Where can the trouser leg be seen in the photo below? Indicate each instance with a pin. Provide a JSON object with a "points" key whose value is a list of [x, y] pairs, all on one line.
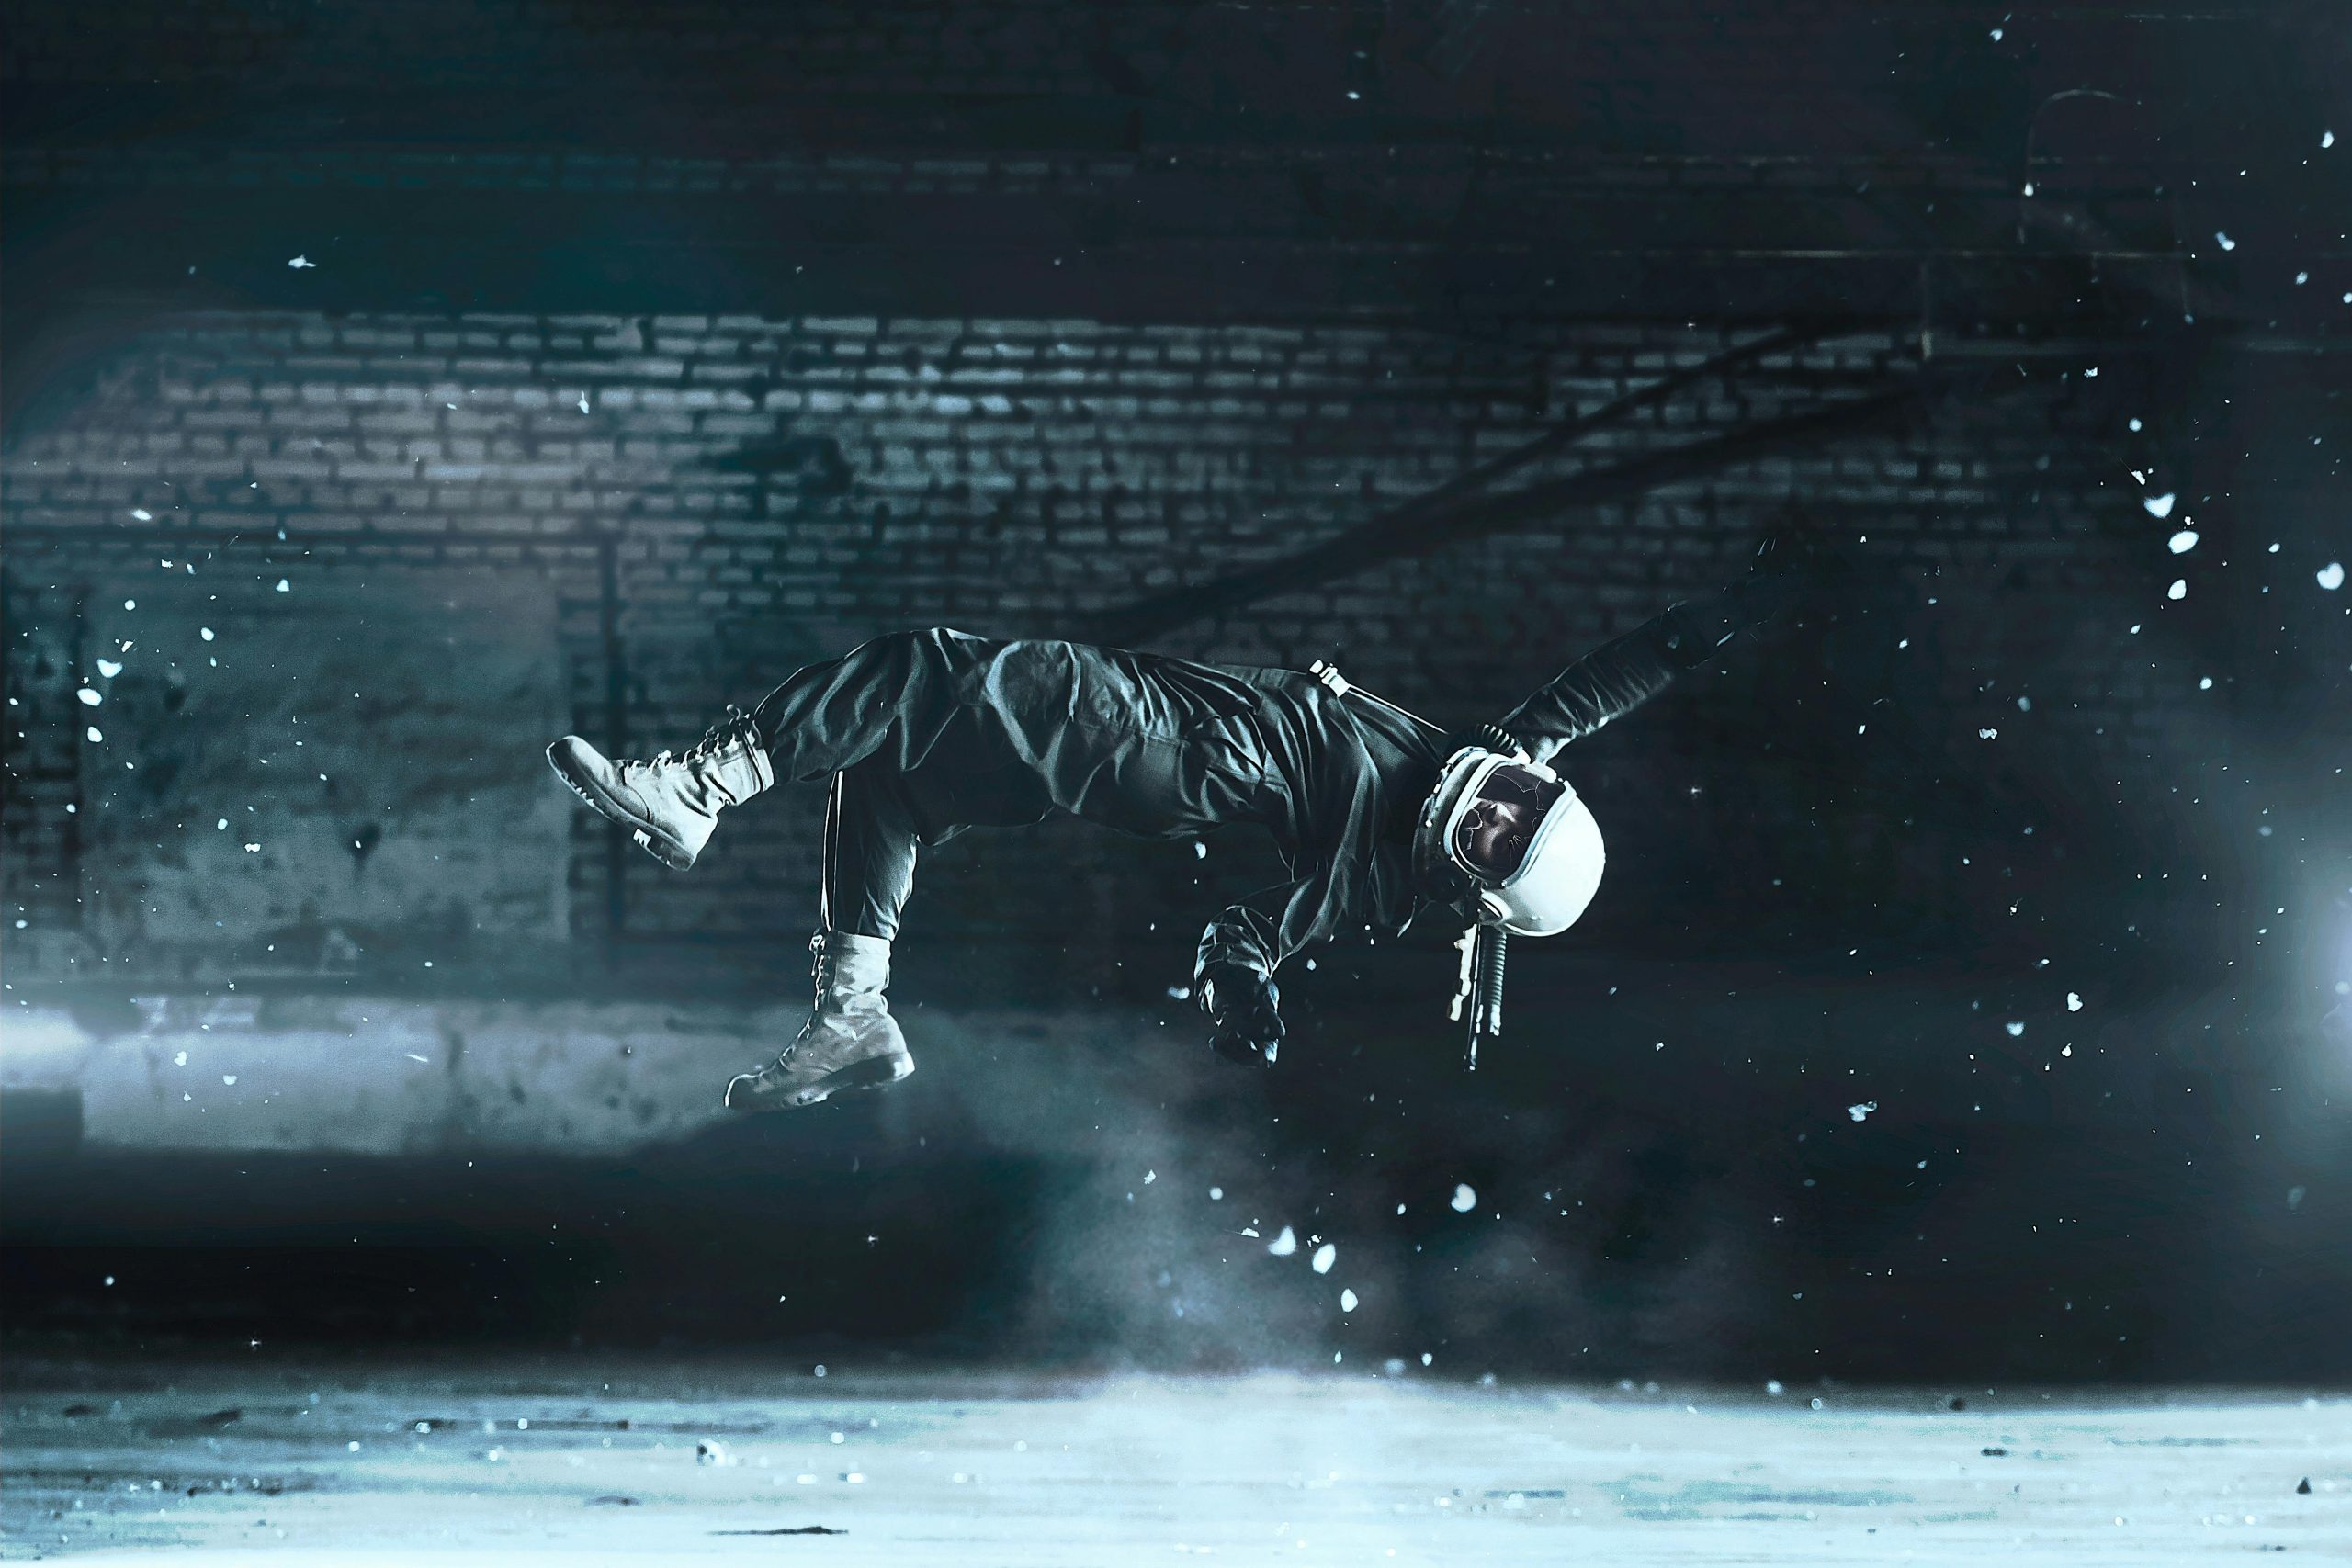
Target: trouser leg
{"points": [[870, 838], [891, 696]]}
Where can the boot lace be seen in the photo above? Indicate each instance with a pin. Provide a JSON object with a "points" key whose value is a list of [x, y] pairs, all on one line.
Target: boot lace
{"points": [[734, 727], [809, 1027]]}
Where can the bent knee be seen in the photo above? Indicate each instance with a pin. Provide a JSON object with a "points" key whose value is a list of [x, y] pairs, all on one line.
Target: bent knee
{"points": [[920, 645]]}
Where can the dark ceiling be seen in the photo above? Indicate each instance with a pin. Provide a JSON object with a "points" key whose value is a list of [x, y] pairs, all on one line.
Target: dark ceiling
{"points": [[1422, 159]]}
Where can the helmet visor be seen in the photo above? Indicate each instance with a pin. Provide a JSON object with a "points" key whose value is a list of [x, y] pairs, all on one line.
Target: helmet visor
{"points": [[1494, 832]]}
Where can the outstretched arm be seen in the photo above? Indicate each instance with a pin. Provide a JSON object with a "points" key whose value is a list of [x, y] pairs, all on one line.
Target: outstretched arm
{"points": [[1622, 675]]}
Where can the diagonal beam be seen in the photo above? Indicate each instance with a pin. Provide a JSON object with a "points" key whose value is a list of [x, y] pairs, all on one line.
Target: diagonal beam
{"points": [[1482, 475], [1415, 529]]}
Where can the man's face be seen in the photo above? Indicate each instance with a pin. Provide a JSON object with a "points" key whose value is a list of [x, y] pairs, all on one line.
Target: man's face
{"points": [[1494, 834]]}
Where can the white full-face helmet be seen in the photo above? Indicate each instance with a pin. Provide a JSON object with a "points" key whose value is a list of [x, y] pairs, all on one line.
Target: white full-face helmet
{"points": [[1518, 834]]}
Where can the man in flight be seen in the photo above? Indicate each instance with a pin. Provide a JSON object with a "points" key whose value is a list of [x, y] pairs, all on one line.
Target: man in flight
{"points": [[1378, 814]]}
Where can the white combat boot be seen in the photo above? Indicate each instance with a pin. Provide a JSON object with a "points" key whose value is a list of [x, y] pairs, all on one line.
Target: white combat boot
{"points": [[671, 804], [850, 1040]]}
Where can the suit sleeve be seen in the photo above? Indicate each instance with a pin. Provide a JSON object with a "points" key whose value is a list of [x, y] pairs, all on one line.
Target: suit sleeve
{"points": [[1622, 675], [1247, 935]]}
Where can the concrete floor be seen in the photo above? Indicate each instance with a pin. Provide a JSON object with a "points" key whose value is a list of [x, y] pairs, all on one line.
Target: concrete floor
{"points": [[595, 1460]]}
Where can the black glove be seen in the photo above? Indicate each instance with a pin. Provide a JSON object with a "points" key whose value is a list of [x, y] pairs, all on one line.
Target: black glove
{"points": [[1246, 1008], [1793, 550], [1803, 553], [1797, 566]]}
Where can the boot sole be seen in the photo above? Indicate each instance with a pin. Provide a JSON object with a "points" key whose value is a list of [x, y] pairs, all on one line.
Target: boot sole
{"points": [[880, 1072], [647, 837], [875, 1074]]}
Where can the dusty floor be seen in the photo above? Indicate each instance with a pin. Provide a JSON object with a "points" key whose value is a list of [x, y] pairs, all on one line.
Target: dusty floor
{"points": [[587, 1458]]}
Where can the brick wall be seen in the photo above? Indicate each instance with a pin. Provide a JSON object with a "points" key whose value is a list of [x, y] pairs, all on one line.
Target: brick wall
{"points": [[723, 498]]}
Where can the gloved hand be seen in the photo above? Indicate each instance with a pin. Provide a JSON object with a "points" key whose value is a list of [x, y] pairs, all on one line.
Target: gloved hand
{"points": [[1246, 1008], [1794, 548], [1798, 565]]}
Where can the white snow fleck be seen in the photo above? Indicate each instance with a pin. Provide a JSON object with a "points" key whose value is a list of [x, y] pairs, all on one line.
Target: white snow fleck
{"points": [[229, 1079], [2330, 576], [179, 1059], [2179, 589], [1347, 1301], [1149, 1177], [1284, 1244], [95, 734], [2025, 705], [1179, 993], [221, 824], [2159, 506], [1989, 734], [1217, 1194], [1997, 37], [2073, 1001], [2205, 684], [1325, 1256], [284, 586], [142, 514], [2224, 241], [1862, 1112], [1200, 851], [2327, 139], [2180, 543], [300, 261], [2014, 1028], [414, 1058], [2134, 424], [583, 403], [131, 603], [1772, 1386], [253, 849], [1465, 1198], [208, 633], [109, 668], [90, 699]]}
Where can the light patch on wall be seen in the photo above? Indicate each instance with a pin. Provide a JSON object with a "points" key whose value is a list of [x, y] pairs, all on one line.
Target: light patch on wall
{"points": [[379, 736]]}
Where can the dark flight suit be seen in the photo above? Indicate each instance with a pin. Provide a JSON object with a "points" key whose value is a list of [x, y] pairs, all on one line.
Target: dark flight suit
{"points": [[928, 733]]}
